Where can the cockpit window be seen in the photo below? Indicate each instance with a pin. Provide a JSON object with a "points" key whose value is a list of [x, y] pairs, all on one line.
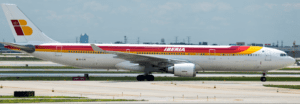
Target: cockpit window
{"points": [[282, 54]]}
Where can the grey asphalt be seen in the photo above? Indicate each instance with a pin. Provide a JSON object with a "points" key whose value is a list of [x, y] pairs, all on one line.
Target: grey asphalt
{"points": [[161, 91]]}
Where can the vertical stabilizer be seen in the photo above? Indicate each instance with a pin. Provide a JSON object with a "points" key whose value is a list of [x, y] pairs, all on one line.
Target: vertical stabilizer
{"points": [[22, 28]]}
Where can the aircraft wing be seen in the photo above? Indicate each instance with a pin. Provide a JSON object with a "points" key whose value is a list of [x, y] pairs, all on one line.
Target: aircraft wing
{"points": [[141, 59]]}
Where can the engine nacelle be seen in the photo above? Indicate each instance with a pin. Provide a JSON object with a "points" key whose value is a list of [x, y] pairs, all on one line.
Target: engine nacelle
{"points": [[183, 70]]}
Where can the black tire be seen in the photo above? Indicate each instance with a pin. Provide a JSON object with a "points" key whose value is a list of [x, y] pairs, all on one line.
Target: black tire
{"points": [[150, 78], [140, 78], [263, 79]]}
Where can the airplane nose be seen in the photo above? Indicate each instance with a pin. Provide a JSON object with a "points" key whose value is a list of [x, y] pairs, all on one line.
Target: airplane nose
{"points": [[292, 61]]}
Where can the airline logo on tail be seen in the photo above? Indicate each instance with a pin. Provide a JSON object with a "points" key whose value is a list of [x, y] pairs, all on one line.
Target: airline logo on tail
{"points": [[21, 28]]}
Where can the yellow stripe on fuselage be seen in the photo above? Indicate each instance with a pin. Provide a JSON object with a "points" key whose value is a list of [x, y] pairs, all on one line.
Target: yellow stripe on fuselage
{"points": [[251, 50]]}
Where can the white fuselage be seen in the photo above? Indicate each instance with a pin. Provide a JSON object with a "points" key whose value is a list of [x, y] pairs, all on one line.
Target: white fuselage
{"points": [[262, 60]]}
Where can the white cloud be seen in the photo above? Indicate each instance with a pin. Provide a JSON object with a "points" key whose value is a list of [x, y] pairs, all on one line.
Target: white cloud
{"points": [[290, 6], [53, 15], [123, 9], [169, 6], [212, 27], [222, 21], [68, 9], [252, 8], [218, 19], [160, 22], [270, 6], [143, 5], [137, 0], [87, 16], [95, 6], [224, 6], [225, 23], [145, 29], [297, 6], [36, 10], [207, 6]]}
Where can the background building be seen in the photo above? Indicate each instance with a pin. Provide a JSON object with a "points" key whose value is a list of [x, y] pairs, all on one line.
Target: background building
{"points": [[84, 38], [162, 41], [240, 43]]}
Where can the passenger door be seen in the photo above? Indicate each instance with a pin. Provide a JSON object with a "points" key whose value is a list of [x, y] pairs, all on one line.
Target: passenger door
{"points": [[212, 53], [268, 55], [58, 51]]}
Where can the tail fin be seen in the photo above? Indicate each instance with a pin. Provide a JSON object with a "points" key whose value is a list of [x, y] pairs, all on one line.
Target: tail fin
{"points": [[23, 29]]}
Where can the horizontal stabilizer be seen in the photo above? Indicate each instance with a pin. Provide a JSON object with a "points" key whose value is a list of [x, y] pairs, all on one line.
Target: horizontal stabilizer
{"points": [[23, 48]]}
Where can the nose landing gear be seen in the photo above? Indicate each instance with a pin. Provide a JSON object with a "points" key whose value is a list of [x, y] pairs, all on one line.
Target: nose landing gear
{"points": [[263, 78]]}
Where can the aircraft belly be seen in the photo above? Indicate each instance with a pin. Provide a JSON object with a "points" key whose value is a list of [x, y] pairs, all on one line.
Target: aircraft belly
{"points": [[223, 63], [100, 61]]}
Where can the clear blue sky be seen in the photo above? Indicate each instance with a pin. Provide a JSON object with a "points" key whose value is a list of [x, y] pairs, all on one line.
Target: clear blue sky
{"points": [[213, 21]]}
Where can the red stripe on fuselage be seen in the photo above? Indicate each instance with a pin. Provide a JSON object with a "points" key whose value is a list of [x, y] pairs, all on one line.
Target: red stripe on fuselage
{"points": [[232, 49]]}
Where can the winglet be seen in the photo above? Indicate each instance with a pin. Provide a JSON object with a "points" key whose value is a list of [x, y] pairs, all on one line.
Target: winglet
{"points": [[96, 48]]}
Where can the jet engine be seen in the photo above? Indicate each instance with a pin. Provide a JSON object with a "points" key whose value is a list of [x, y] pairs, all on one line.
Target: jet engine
{"points": [[183, 70]]}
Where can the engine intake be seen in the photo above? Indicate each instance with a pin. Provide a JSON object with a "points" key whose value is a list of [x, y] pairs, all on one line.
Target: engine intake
{"points": [[183, 70]]}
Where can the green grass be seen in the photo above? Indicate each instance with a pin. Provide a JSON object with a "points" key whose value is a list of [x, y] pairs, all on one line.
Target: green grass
{"points": [[59, 100], [41, 97], [156, 78], [37, 67], [290, 69], [19, 59], [284, 86]]}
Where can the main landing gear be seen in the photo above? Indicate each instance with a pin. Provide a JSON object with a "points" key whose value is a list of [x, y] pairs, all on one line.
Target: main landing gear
{"points": [[143, 77], [263, 78]]}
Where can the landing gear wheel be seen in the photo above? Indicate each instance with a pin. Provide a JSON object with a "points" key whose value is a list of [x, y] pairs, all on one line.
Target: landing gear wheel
{"points": [[140, 78], [263, 79], [149, 77]]}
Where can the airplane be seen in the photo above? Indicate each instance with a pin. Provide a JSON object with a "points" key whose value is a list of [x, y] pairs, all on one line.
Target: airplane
{"points": [[180, 60]]}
